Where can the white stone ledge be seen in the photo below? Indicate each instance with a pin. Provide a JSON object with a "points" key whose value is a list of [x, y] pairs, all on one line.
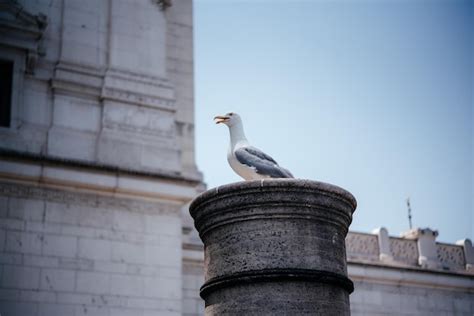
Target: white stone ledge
{"points": [[99, 182], [410, 277]]}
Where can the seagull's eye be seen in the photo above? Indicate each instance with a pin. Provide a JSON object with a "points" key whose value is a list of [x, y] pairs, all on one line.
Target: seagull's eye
{"points": [[231, 114]]}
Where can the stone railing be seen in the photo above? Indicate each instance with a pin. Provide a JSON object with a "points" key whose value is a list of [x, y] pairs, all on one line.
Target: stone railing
{"points": [[362, 247], [416, 248]]}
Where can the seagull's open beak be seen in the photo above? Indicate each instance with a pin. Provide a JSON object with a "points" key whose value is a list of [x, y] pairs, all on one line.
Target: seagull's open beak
{"points": [[221, 119]]}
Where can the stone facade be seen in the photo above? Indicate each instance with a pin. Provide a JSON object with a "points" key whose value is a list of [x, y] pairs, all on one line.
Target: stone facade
{"points": [[97, 163], [97, 167]]}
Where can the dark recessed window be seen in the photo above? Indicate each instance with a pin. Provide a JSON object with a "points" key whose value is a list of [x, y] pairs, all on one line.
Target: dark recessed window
{"points": [[6, 78]]}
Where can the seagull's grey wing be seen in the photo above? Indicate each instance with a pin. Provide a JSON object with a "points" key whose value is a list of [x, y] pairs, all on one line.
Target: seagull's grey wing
{"points": [[261, 162]]}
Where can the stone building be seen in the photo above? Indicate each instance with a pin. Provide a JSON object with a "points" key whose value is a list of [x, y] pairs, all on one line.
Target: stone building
{"points": [[97, 155], [97, 167]]}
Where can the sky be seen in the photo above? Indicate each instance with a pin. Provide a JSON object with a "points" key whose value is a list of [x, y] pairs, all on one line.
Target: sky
{"points": [[373, 96]]}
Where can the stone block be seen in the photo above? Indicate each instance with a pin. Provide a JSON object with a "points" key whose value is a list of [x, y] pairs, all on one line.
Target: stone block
{"points": [[75, 298], [70, 143], [11, 258], [9, 294], [462, 305], [36, 105], [143, 22], [2, 239], [3, 202], [59, 245], [37, 296], [163, 225], [79, 215], [40, 261], [18, 308], [75, 264], [130, 285], [21, 242], [18, 277], [110, 267], [89, 310], [129, 221], [57, 280], [161, 312], [126, 312], [164, 255], [140, 120], [160, 287], [12, 224], [83, 18], [128, 253], [43, 227], [92, 282], [169, 158], [96, 249], [26, 209], [76, 113], [82, 53], [45, 309], [119, 151]]}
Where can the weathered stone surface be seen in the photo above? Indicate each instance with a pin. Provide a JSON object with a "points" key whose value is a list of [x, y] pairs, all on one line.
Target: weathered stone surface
{"points": [[275, 245]]}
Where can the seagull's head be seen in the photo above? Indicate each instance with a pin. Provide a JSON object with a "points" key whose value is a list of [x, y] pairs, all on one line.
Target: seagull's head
{"points": [[229, 119]]}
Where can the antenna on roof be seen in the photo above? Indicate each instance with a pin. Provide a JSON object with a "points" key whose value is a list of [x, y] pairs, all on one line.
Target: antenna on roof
{"points": [[409, 212]]}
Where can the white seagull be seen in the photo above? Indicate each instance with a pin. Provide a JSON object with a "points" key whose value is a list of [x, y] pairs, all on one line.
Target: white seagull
{"points": [[248, 162]]}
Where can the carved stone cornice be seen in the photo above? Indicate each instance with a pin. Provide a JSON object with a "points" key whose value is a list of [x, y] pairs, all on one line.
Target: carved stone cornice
{"points": [[115, 85], [22, 29]]}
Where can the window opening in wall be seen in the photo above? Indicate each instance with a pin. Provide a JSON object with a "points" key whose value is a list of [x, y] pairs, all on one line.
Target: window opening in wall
{"points": [[6, 78]]}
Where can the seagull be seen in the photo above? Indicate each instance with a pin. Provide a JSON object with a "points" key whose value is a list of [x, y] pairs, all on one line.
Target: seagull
{"points": [[247, 161]]}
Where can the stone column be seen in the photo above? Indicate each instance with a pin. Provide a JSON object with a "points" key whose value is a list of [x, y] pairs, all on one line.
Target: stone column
{"points": [[384, 245], [468, 253], [275, 247]]}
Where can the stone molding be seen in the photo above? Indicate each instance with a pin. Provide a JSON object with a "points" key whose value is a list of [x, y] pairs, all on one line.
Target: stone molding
{"points": [[114, 184], [410, 276], [38, 159], [84, 199], [115, 85], [23, 30]]}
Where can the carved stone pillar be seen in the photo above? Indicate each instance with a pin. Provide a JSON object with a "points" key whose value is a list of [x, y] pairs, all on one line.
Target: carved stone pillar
{"points": [[384, 244], [468, 253], [275, 247]]}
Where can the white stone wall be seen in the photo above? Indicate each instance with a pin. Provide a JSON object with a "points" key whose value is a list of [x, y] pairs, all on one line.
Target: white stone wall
{"points": [[103, 140], [113, 85], [388, 291], [382, 299], [82, 254]]}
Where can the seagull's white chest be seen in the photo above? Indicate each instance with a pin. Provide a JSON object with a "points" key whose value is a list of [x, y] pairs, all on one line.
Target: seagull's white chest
{"points": [[246, 172]]}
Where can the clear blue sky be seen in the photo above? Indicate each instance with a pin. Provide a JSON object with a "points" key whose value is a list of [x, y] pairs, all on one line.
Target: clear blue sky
{"points": [[373, 96]]}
